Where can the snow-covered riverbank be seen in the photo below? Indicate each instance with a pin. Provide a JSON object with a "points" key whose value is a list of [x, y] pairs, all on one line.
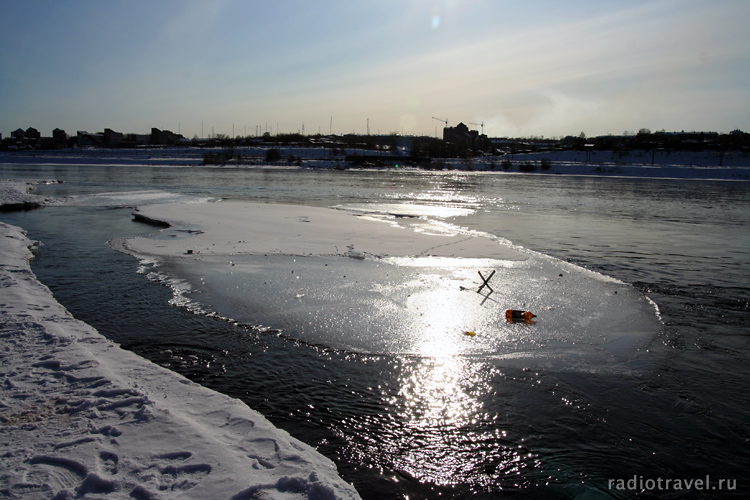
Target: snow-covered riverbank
{"points": [[713, 165], [79, 416]]}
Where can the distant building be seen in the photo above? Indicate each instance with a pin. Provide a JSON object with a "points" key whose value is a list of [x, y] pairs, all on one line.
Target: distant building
{"points": [[461, 136], [32, 133], [164, 137], [18, 134], [59, 136], [111, 138], [138, 139], [86, 139]]}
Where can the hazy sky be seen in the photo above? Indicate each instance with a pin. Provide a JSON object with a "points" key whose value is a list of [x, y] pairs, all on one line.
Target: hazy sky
{"points": [[520, 67]]}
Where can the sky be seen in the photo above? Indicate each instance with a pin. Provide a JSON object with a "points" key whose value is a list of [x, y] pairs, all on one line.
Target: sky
{"points": [[506, 68]]}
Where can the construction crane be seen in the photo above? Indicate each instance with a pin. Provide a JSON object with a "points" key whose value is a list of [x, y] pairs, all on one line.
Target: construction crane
{"points": [[478, 124], [441, 120]]}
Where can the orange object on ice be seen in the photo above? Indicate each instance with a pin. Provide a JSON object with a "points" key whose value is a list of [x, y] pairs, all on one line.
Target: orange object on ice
{"points": [[512, 314]]}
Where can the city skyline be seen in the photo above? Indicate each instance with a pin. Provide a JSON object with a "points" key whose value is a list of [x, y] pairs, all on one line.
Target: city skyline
{"points": [[243, 68]]}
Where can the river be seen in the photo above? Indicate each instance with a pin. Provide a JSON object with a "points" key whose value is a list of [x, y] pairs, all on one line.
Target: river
{"points": [[406, 426]]}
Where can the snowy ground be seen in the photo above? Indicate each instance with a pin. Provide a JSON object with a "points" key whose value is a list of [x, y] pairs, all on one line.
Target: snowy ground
{"points": [[82, 418]]}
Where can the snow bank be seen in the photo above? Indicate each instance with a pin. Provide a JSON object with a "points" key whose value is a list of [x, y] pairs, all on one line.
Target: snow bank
{"points": [[703, 165], [113, 157], [82, 418], [639, 157]]}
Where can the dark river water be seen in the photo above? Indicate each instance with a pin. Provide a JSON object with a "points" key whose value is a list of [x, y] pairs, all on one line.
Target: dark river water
{"points": [[672, 421]]}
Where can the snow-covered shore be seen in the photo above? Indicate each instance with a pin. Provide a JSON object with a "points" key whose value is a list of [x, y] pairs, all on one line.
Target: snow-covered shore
{"points": [[82, 418], [706, 165], [664, 164]]}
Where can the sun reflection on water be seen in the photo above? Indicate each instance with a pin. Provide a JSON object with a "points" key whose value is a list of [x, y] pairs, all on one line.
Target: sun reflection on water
{"points": [[449, 435], [439, 424]]}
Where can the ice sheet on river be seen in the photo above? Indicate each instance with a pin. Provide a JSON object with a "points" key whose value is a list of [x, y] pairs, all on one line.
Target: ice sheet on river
{"points": [[392, 285], [129, 198]]}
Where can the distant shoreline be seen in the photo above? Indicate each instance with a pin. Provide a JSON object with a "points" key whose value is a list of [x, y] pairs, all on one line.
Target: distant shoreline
{"points": [[704, 165]]}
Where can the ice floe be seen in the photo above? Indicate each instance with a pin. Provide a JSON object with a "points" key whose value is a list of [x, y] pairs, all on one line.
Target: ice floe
{"points": [[350, 281]]}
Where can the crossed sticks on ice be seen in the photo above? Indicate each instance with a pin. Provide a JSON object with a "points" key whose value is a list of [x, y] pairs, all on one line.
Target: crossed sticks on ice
{"points": [[486, 281]]}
